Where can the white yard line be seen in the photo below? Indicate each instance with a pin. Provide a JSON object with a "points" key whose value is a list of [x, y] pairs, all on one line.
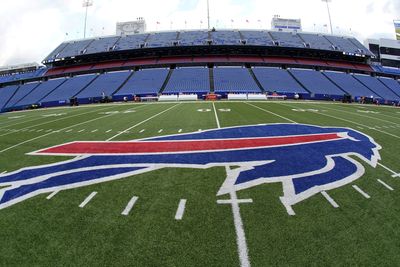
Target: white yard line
{"points": [[180, 130], [68, 131], [87, 200], [270, 112], [385, 185], [161, 130], [216, 116], [141, 131], [44, 135], [239, 201], [361, 192], [52, 195], [180, 210], [361, 115], [394, 174], [63, 118], [3, 172], [109, 131], [94, 131], [129, 207], [330, 199], [81, 131], [140, 123]]}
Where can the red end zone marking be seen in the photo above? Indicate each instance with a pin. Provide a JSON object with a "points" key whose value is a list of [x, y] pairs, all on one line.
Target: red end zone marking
{"points": [[140, 147]]}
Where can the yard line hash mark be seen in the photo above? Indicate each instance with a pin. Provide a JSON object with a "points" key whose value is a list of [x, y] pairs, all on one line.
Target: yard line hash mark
{"points": [[52, 195], [330, 199], [129, 206], [359, 190], [181, 209], [385, 185], [87, 200]]}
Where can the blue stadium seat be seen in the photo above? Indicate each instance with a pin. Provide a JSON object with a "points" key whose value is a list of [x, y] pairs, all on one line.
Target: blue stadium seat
{"points": [[392, 84], [277, 80], [68, 89], [41, 91], [161, 39], [225, 37], [130, 41], [348, 83], [316, 41], [189, 80], [74, 48], [378, 87], [143, 82], [189, 38], [287, 39], [102, 45], [6, 93], [343, 44], [234, 80], [257, 38], [21, 93], [316, 82], [107, 83]]}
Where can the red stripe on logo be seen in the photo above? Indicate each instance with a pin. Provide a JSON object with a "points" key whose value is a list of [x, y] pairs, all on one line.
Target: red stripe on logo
{"points": [[144, 147]]}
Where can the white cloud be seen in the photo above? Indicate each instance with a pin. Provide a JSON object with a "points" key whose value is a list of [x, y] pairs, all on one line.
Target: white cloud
{"points": [[32, 29]]}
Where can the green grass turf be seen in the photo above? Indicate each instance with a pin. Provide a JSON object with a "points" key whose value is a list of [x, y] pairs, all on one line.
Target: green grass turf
{"points": [[55, 232]]}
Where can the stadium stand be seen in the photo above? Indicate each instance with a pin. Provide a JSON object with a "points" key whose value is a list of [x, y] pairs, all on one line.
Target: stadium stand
{"points": [[107, 83], [392, 84], [316, 41], [225, 37], [70, 49], [144, 82], [287, 39], [387, 70], [70, 88], [234, 80], [193, 38], [344, 44], [189, 80], [132, 41], [161, 39], [74, 48], [349, 84], [6, 93], [40, 92], [257, 38], [316, 82], [101, 45], [374, 84], [278, 80], [22, 76], [21, 93]]}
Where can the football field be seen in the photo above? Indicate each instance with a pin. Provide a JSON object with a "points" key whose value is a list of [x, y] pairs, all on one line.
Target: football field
{"points": [[172, 215]]}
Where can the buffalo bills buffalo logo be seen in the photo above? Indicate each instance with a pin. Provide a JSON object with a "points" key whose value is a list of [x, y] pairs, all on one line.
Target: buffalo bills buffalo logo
{"points": [[305, 159]]}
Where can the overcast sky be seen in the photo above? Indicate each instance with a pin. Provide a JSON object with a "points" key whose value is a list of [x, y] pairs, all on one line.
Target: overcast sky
{"points": [[31, 29]]}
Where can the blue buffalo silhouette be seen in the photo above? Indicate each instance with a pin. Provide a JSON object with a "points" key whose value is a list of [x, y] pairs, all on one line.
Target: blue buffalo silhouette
{"points": [[304, 169]]}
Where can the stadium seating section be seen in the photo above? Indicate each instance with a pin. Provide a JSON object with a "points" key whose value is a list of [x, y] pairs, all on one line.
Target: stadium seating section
{"points": [[189, 80], [234, 80], [197, 38]]}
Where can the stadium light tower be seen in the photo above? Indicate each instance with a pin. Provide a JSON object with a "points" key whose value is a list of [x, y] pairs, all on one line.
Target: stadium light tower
{"points": [[86, 4], [329, 13]]}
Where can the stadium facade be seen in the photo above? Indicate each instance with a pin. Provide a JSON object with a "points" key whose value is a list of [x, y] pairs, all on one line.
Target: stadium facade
{"points": [[198, 62]]}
